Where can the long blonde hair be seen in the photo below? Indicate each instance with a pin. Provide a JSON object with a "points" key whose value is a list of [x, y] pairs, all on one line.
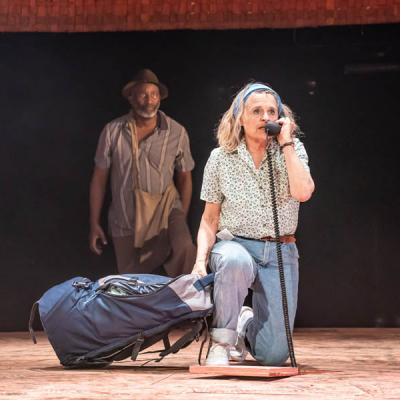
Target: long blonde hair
{"points": [[292, 116], [230, 131]]}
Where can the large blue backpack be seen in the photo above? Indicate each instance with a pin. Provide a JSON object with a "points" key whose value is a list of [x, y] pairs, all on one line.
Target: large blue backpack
{"points": [[91, 324]]}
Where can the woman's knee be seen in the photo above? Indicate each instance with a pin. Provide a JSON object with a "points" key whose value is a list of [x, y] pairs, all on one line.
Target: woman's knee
{"points": [[233, 257], [271, 357], [271, 350]]}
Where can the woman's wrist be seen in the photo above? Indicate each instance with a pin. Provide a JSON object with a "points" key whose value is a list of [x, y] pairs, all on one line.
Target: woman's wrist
{"points": [[286, 144]]}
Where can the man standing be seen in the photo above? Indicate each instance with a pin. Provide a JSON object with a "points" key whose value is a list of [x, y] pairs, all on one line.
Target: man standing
{"points": [[148, 157]]}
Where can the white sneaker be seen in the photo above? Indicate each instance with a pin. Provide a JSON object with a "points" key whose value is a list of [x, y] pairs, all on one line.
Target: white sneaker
{"points": [[239, 352], [218, 354]]}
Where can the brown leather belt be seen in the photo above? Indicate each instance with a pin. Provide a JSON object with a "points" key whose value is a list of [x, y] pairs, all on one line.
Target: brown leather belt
{"points": [[282, 239]]}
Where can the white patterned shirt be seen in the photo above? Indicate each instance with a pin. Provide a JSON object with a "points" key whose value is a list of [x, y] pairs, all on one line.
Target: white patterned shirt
{"points": [[232, 180]]}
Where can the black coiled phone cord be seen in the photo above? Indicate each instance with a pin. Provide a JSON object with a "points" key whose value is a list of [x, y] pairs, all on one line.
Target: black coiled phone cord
{"points": [[280, 261]]}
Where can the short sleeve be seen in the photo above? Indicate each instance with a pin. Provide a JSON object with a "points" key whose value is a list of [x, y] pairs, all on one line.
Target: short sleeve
{"points": [[301, 153], [103, 152], [184, 161], [211, 189]]}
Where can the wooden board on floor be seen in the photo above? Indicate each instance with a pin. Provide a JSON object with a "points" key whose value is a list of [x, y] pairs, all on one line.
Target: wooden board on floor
{"points": [[257, 371]]}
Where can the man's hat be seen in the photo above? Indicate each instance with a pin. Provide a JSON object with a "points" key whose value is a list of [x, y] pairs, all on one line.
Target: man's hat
{"points": [[145, 76]]}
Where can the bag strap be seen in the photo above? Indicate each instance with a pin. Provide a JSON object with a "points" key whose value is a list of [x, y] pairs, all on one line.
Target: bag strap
{"points": [[203, 342], [32, 315], [136, 347], [167, 343], [202, 283], [135, 154], [184, 340]]}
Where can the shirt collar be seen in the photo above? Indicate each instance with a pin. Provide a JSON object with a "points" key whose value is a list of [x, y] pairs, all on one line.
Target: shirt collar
{"points": [[162, 124], [161, 127], [245, 155]]}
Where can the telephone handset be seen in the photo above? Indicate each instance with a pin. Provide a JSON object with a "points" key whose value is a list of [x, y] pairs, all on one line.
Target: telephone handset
{"points": [[272, 128]]}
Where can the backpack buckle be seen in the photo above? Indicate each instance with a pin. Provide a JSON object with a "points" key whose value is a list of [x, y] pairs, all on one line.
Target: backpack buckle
{"points": [[81, 284]]}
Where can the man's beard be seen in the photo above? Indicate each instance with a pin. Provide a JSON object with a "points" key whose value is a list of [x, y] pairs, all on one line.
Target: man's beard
{"points": [[147, 112]]}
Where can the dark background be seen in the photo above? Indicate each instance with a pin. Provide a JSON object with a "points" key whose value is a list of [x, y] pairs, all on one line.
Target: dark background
{"points": [[59, 90]]}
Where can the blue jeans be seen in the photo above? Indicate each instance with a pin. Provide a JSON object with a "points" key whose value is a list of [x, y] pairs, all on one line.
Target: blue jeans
{"points": [[240, 264]]}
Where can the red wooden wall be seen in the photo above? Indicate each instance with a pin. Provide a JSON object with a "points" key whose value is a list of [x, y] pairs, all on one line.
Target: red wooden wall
{"points": [[129, 15]]}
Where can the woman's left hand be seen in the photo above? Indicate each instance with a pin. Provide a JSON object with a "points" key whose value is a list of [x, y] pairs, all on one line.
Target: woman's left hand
{"points": [[200, 268]]}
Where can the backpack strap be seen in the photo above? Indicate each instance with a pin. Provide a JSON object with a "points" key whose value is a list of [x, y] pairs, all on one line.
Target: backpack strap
{"points": [[166, 342], [136, 347], [184, 340], [204, 341], [32, 315], [202, 283]]}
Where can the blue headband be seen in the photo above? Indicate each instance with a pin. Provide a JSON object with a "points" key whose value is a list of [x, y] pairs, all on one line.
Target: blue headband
{"points": [[253, 88]]}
